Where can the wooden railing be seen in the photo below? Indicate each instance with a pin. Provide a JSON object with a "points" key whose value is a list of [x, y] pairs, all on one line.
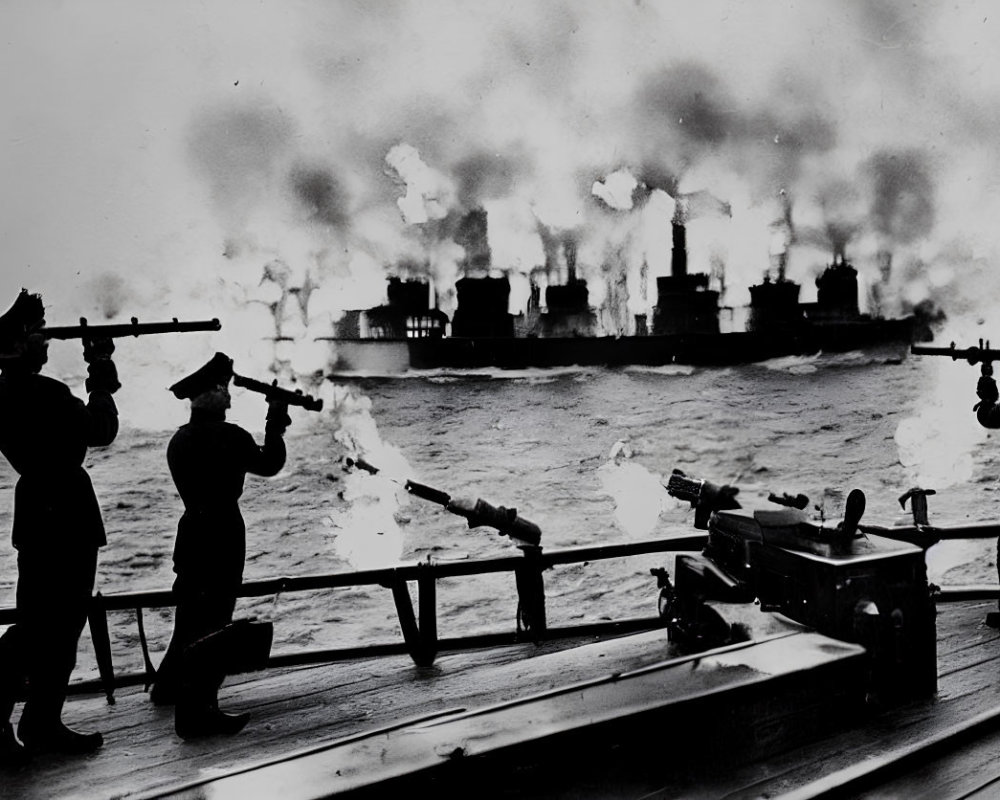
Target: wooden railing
{"points": [[419, 628]]}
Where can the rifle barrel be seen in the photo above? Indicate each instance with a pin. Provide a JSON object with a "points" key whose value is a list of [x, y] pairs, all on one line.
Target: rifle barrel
{"points": [[274, 392], [973, 355], [133, 328]]}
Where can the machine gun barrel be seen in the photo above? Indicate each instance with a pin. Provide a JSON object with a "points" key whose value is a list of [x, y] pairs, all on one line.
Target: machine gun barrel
{"points": [[705, 497], [974, 355], [505, 520], [132, 328], [274, 392], [684, 488], [428, 493], [478, 512]]}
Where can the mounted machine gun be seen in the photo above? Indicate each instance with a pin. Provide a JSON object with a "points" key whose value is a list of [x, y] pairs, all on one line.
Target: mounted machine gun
{"points": [[525, 534], [479, 513], [858, 583]]}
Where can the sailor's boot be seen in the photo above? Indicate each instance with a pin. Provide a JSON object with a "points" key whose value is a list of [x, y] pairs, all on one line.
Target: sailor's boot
{"points": [[194, 720], [46, 733], [163, 693], [13, 754], [197, 713]]}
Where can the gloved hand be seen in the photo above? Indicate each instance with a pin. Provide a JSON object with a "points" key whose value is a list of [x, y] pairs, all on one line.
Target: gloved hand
{"points": [[102, 376], [986, 389], [96, 349], [277, 417]]}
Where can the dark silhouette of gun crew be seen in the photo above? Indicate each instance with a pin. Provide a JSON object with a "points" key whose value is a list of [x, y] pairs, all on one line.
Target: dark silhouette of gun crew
{"points": [[988, 414], [209, 459], [987, 410], [45, 432]]}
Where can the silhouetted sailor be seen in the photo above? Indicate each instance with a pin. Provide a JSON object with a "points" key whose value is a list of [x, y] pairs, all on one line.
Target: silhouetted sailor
{"points": [[209, 459], [988, 413], [44, 433]]}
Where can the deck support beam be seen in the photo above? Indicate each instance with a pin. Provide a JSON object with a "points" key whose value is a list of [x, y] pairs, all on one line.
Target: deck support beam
{"points": [[531, 593], [97, 616], [420, 639]]}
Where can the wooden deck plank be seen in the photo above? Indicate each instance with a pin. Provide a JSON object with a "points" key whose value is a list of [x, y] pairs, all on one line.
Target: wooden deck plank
{"points": [[693, 688], [297, 708], [966, 687]]}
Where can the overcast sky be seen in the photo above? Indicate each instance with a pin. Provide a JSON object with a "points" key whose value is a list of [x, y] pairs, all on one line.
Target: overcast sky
{"points": [[157, 155]]}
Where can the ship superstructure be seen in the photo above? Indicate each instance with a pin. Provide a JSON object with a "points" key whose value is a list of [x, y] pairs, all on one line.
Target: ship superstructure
{"points": [[559, 327]]}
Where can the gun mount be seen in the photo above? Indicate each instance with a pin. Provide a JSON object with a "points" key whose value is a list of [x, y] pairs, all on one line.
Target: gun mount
{"points": [[478, 512], [839, 577]]}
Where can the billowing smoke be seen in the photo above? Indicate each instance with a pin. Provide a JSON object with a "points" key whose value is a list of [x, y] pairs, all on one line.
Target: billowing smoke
{"points": [[321, 194], [112, 294], [428, 195], [350, 141], [239, 152], [902, 209]]}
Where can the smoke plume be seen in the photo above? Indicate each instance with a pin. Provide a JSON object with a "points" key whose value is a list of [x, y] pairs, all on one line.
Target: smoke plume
{"points": [[346, 141]]}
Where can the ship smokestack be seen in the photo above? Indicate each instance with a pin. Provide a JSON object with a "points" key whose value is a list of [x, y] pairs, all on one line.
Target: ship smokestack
{"points": [[569, 250], [472, 234], [678, 257], [884, 265]]}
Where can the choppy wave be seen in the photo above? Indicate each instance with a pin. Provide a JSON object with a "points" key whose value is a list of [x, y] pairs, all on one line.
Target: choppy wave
{"points": [[543, 442]]}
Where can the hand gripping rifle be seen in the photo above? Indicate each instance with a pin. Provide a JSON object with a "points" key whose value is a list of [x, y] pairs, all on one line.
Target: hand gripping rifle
{"points": [[132, 328], [477, 512], [272, 391]]}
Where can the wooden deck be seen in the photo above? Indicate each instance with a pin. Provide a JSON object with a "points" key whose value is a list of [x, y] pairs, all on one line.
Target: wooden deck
{"points": [[297, 712]]}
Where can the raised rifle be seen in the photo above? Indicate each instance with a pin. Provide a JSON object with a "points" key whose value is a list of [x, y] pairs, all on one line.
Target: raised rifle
{"points": [[477, 512], [122, 329], [274, 392]]}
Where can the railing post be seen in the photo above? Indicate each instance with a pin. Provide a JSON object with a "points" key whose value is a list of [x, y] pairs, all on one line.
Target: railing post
{"points": [[427, 604], [531, 593], [421, 641], [97, 616], [147, 661]]}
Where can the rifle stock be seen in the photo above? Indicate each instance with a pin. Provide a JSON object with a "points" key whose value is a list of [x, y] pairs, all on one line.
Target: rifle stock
{"points": [[132, 328], [274, 392]]}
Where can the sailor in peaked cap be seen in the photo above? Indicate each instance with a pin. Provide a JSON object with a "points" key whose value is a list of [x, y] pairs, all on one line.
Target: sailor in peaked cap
{"points": [[25, 317], [217, 372], [209, 459], [45, 432]]}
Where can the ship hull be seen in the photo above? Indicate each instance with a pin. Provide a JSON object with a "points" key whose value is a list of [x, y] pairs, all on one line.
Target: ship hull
{"points": [[390, 356]]}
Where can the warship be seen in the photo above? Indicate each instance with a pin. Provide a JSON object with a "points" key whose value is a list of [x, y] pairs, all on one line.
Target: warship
{"points": [[559, 328]]}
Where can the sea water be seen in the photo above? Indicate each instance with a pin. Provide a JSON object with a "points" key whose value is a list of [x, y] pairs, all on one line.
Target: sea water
{"points": [[583, 453]]}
